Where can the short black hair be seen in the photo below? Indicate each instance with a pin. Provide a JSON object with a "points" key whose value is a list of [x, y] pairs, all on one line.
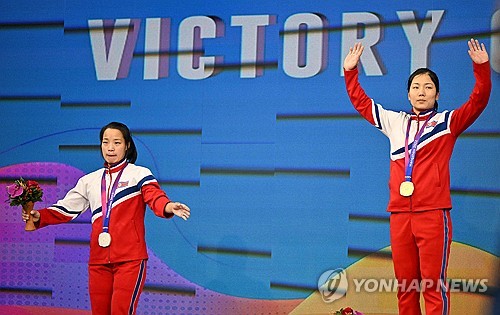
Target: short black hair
{"points": [[432, 75], [131, 153]]}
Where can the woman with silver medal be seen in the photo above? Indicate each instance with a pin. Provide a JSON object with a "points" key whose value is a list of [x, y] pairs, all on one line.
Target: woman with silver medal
{"points": [[117, 195], [421, 144]]}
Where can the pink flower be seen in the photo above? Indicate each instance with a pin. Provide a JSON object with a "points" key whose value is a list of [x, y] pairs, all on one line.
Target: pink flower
{"points": [[14, 190]]}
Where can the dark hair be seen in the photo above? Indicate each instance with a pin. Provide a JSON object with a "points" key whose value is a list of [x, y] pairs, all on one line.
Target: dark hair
{"points": [[131, 153], [431, 74]]}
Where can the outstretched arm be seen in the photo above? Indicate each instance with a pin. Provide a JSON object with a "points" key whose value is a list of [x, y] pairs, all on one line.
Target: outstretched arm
{"points": [[477, 52], [352, 59]]}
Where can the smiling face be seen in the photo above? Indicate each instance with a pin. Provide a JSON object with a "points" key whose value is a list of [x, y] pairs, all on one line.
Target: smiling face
{"points": [[422, 93], [113, 146]]}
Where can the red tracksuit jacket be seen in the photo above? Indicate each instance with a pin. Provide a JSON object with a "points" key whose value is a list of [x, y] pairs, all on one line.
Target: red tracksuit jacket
{"points": [[137, 188]]}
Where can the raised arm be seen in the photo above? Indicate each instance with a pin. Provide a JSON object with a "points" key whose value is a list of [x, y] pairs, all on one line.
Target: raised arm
{"points": [[465, 116], [361, 102]]}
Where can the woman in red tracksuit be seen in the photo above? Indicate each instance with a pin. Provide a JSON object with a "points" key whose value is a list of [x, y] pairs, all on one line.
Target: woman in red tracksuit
{"points": [[117, 195], [421, 145]]}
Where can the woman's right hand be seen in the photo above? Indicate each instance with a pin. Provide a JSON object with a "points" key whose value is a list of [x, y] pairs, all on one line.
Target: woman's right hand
{"points": [[352, 59], [35, 214]]}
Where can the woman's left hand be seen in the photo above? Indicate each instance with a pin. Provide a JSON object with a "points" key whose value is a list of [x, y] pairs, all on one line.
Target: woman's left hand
{"points": [[477, 52], [179, 209], [352, 59]]}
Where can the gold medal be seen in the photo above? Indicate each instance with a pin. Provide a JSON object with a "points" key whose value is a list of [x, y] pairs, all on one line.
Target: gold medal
{"points": [[104, 239], [406, 189]]}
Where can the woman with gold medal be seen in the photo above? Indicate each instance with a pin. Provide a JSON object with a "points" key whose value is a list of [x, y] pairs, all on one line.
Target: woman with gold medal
{"points": [[421, 143]]}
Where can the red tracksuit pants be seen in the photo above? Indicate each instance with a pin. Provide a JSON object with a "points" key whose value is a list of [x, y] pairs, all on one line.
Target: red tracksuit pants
{"points": [[420, 243], [115, 288]]}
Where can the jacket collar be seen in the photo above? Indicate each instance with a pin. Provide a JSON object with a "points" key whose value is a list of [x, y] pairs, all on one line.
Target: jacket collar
{"points": [[116, 167], [422, 115]]}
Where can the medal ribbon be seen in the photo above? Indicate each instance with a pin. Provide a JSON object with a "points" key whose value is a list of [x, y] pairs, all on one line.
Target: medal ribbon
{"points": [[107, 206], [410, 156]]}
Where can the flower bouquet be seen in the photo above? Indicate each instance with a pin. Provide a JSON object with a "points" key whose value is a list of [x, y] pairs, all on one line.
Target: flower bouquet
{"points": [[25, 193], [347, 311]]}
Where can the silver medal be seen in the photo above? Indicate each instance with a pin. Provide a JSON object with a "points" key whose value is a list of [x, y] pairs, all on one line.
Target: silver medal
{"points": [[104, 239]]}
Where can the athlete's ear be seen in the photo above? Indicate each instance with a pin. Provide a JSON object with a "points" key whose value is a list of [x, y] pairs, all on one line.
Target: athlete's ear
{"points": [[437, 96]]}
